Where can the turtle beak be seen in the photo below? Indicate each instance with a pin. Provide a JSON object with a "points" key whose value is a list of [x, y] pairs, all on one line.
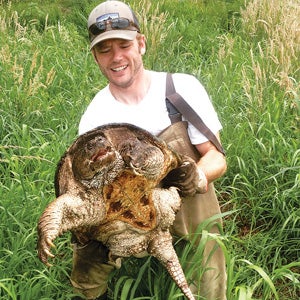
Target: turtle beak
{"points": [[99, 154]]}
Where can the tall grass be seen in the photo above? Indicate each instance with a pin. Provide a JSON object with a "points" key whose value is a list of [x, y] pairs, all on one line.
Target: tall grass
{"points": [[247, 56]]}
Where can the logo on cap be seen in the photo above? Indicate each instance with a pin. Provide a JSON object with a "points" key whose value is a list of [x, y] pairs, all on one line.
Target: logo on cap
{"points": [[107, 17]]}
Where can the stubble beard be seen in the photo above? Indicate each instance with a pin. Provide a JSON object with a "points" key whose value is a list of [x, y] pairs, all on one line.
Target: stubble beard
{"points": [[138, 67]]}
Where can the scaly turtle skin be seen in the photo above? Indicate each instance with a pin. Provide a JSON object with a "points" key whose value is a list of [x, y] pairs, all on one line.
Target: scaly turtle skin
{"points": [[107, 190]]}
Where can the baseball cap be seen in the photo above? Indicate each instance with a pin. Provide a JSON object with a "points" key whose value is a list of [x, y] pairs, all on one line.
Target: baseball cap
{"points": [[112, 20]]}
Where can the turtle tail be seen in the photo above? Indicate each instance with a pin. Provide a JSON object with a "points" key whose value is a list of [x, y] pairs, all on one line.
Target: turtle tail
{"points": [[161, 247]]}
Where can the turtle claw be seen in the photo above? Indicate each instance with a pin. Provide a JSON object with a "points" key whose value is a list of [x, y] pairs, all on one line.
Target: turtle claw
{"points": [[50, 243], [44, 255], [44, 251], [49, 254], [48, 264]]}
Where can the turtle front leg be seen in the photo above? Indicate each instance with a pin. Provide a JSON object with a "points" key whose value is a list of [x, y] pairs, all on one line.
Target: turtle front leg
{"points": [[162, 248], [65, 213]]}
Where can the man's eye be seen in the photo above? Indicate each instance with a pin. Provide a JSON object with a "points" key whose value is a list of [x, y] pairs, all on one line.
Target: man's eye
{"points": [[103, 50], [125, 45]]}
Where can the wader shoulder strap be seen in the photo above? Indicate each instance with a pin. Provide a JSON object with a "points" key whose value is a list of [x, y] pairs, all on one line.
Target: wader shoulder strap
{"points": [[177, 106]]}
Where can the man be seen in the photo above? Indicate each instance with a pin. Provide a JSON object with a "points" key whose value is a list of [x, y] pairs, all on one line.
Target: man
{"points": [[137, 96]]}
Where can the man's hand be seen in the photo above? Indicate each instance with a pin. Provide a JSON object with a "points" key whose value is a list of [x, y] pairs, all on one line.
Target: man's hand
{"points": [[202, 183], [188, 178]]}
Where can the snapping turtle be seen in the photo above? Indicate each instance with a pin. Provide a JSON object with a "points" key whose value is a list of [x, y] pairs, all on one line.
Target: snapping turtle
{"points": [[107, 190]]}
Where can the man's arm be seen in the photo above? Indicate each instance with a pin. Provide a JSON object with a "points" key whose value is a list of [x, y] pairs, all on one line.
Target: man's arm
{"points": [[212, 162]]}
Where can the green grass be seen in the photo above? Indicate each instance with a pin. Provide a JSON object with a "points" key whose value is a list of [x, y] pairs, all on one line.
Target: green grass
{"points": [[247, 56]]}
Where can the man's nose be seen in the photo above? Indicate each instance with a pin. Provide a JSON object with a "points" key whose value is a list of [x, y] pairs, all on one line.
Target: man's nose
{"points": [[117, 53]]}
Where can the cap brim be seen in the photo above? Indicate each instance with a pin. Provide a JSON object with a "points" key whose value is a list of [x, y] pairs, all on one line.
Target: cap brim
{"points": [[129, 35]]}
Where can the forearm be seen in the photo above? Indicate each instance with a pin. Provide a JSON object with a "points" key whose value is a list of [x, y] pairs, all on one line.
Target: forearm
{"points": [[213, 165]]}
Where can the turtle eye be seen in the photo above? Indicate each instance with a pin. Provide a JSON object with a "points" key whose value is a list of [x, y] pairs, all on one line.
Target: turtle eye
{"points": [[89, 146]]}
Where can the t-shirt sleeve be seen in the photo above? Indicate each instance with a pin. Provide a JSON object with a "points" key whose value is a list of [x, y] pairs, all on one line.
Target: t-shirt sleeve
{"points": [[196, 96]]}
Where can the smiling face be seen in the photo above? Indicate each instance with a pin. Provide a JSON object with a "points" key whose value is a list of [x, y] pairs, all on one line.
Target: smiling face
{"points": [[119, 60]]}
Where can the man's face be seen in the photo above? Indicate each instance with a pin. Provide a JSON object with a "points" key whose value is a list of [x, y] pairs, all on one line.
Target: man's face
{"points": [[119, 60]]}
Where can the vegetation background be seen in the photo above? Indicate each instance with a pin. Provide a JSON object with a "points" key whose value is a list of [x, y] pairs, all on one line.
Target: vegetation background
{"points": [[246, 53]]}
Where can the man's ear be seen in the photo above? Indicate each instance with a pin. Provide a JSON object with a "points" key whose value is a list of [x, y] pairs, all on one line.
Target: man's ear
{"points": [[142, 44]]}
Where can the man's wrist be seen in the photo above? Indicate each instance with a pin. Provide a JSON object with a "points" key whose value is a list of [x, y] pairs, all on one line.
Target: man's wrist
{"points": [[202, 183]]}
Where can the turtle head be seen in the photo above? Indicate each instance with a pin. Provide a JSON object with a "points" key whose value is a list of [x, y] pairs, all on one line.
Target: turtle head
{"points": [[91, 154]]}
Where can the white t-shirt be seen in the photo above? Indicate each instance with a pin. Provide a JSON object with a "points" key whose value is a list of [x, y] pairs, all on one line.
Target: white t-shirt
{"points": [[151, 113]]}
